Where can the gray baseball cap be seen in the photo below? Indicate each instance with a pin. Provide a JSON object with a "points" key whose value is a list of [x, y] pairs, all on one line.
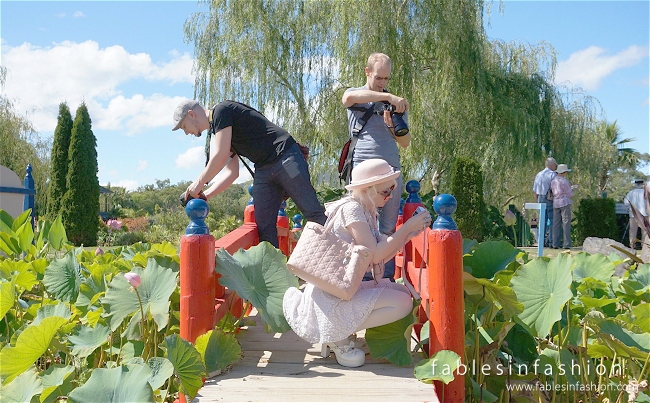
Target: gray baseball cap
{"points": [[181, 110]]}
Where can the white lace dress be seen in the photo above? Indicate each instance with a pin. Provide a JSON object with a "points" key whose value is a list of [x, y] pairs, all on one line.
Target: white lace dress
{"points": [[319, 317]]}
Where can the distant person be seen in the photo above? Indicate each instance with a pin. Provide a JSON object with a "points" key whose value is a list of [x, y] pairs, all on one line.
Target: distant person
{"points": [[319, 317], [373, 126], [562, 200], [280, 168], [636, 198], [541, 194]]}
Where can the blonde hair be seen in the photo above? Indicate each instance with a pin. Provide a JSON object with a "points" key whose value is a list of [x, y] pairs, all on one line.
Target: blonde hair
{"points": [[378, 57], [365, 198]]}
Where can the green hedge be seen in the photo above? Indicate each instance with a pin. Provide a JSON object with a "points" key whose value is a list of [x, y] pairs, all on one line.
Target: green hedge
{"points": [[596, 218], [467, 188]]}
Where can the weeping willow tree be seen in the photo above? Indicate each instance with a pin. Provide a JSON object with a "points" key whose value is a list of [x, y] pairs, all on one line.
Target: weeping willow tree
{"points": [[20, 145], [470, 97]]}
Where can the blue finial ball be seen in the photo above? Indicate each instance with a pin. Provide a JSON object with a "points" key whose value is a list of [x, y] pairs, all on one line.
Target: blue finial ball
{"points": [[250, 189], [197, 209], [412, 186], [445, 204]]}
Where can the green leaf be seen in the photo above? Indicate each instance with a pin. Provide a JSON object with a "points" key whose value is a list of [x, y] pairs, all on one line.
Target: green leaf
{"points": [[22, 388], [392, 341], [63, 277], [9, 244], [161, 370], [116, 385], [486, 396], [85, 340], [641, 274], [543, 287], [157, 284], [30, 345], [21, 220], [61, 310], [25, 236], [218, 350], [259, 275], [187, 364], [6, 221], [595, 266], [56, 236], [57, 382], [503, 295], [440, 367], [7, 297], [489, 258], [592, 303]]}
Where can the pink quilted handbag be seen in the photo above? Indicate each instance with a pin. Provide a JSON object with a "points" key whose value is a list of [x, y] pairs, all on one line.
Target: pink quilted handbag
{"points": [[324, 260]]}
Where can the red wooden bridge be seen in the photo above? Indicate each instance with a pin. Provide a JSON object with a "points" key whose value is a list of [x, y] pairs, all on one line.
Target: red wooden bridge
{"points": [[283, 367]]}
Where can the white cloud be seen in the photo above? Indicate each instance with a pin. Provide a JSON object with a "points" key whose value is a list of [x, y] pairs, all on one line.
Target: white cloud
{"points": [[128, 184], [78, 14], [39, 78], [588, 67], [142, 165], [193, 158]]}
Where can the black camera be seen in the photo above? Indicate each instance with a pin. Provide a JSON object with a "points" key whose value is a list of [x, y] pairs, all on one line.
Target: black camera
{"points": [[399, 123], [184, 199]]}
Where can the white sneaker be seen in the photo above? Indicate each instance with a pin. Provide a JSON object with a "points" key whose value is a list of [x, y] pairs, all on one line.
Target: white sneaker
{"points": [[346, 355]]}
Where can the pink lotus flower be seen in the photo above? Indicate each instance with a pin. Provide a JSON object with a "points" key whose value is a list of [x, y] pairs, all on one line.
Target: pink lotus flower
{"points": [[509, 218], [115, 225], [133, 279], [99, 251]]}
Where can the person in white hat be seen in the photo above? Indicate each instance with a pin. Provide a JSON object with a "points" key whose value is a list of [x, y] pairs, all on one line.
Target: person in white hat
{"points": [[635, 197], [319, 317], [280, 167], [562, 200]]}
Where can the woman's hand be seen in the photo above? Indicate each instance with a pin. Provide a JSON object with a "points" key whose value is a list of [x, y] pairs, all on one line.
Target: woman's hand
{"points": [[416, 224]]}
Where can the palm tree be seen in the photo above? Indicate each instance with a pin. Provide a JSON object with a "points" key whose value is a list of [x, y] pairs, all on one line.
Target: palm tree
{"points": [[617, 155]]}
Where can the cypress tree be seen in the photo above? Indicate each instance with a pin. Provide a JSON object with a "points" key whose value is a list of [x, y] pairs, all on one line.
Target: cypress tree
{"points": [[59, 161], [80, 205], [467, 188]]}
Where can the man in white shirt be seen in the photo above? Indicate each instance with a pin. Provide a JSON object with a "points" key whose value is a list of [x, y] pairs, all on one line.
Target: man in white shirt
{"points": [[541, 188], [635, 197]]}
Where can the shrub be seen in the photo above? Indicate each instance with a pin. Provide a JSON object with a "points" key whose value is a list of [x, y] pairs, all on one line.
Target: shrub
{"points": [[467, 188], [597, 218], [59, 161]]}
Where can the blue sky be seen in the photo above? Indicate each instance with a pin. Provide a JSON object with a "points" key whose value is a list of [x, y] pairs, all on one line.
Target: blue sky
{"points": [[128, 62]]}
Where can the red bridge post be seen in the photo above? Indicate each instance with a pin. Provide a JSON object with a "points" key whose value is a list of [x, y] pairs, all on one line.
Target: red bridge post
{"points": [[446, 301]]}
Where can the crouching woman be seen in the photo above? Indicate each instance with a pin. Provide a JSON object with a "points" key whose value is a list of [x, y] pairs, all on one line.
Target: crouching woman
{"points": [[319, 317]]}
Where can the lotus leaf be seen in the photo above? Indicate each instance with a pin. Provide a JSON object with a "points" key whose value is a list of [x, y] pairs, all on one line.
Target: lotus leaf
{"points": [[218, 350], [120, 301], [48, 310], [161, 370], [489, 258], [116, 385], [503, 295], [259, 275], [63, 277], [595, 266], [22, 388], [187, 364], [56, 382], [543, 287], [7, 296], [85, 339], [440, 367], [30, 345]]}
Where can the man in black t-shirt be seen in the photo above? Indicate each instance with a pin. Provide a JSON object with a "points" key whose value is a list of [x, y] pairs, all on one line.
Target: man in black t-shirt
{"points": [[280, 168]]}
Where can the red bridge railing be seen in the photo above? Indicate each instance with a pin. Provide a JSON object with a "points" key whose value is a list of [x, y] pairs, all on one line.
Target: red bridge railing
{"points": [[432, 263]]}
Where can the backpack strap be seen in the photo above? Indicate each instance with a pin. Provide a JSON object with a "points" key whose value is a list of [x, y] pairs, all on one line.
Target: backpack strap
{"points": [[354, 135]]}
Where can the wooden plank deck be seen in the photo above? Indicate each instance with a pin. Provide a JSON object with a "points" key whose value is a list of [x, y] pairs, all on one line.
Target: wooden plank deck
{"points": [[285, 368]]}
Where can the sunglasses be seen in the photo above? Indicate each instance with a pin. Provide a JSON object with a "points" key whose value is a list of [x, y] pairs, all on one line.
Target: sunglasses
{"points": [[382, 78], [387, 192]]}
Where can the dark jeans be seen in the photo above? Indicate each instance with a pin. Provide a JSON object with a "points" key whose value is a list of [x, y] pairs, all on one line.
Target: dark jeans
{"points": [[548, 237], [289, 174]]}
